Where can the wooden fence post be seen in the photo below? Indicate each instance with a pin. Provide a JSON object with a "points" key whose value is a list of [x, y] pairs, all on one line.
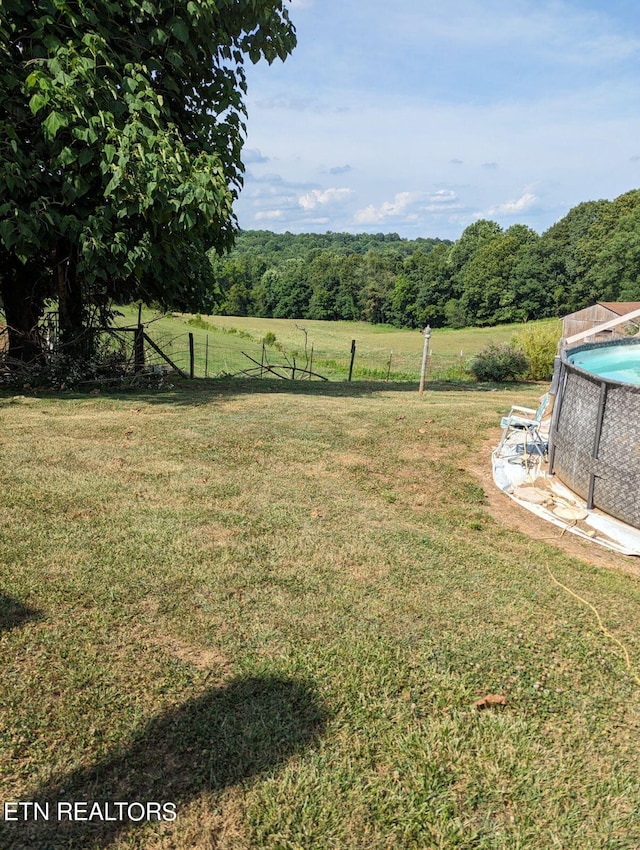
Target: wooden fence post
{"points": [[192, 361], [425, 354], [138, 349], [353, 356]]}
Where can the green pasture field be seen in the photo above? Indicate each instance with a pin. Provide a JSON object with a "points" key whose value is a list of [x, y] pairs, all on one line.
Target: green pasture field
{"points": [[222, 342], [266, 610]]}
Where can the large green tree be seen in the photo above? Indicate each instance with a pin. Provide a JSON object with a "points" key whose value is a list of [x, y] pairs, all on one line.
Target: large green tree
{"points": [[488, 297], [121, 128], [609, 253]]}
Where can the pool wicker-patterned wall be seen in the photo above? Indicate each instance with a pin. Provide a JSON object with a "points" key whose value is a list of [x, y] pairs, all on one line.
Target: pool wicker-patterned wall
{"points": [[595, 439]]}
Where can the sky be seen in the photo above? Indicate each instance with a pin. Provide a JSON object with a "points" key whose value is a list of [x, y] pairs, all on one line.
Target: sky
{"points": [[419, 117]]}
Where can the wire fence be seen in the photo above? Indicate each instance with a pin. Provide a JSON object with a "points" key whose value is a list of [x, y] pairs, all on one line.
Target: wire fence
{"points": [[152, 349], [211, 355]]}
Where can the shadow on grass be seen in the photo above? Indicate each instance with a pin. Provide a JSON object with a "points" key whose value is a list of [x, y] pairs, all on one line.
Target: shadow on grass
{"points": [[226, 735], [13, 613], [205, 390]]}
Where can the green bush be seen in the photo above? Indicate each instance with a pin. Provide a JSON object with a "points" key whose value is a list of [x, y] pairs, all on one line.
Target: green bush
{"points": [[499, 363], [198, 322], [539, 343]]}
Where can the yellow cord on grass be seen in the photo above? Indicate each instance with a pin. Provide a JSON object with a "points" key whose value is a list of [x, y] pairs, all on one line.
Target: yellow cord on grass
{"points": [[604, 629]]}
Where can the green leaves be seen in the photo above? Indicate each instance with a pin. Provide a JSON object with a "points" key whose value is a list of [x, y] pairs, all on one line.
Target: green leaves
{"points": [[37, 102], [179, 30], [54, 122]]}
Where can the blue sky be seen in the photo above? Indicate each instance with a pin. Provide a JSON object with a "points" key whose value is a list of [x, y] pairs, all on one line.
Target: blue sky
{"points": [[420, 117]]}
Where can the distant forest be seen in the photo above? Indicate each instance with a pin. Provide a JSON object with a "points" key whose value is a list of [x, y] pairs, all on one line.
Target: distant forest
{"points": [[488, 276]]}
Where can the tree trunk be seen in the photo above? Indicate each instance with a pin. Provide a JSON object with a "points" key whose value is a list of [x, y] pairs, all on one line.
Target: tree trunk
{"points": [[74, 336], [22, 310]]}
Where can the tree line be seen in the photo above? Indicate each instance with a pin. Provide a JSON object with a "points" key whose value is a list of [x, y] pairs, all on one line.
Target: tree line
{"points": [[489, 276]]}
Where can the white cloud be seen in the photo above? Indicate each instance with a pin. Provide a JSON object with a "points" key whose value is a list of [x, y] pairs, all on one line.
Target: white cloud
{"points": [[527, 200], [389, 209], [408, 206], [442, 196], [279, 203], [321, 197], [269, 215]]}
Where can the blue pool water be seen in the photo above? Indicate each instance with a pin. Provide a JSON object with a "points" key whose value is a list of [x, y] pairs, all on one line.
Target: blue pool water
{"points": [[616, 362]]}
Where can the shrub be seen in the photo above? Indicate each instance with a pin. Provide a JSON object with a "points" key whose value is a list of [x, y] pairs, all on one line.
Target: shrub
{"points": [[499, 363], [198, 322], [539, 342]]}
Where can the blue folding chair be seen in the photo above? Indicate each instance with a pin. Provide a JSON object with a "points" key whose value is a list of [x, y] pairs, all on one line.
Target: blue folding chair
{"points": [[527, 421]]}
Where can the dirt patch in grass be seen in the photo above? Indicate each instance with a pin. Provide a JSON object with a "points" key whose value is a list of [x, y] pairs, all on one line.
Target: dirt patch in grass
{"points": [[200, 657], [215, 535], [210, 659]]}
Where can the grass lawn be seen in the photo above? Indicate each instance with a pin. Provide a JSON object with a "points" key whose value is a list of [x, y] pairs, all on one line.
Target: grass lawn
{"points": [[274, 606]]}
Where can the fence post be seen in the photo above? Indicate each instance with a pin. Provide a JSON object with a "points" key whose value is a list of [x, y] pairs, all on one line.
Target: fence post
{"points": [[206, 357], [138, 349], [192, 361], [425, 352], [353, 356]]}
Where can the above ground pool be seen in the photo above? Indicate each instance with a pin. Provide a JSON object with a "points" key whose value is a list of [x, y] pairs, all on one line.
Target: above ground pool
{"points": [[615, 362], [595, 429]]}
